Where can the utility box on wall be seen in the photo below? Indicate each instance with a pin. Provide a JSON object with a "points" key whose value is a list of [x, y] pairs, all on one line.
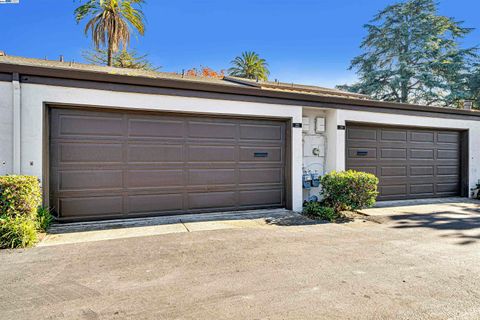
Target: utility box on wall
{"points": [[320, 125], [313, 146], [305, 124]]}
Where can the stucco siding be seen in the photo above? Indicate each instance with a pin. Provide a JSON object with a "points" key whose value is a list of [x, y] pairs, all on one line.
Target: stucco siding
{"points": [[6, 128]]}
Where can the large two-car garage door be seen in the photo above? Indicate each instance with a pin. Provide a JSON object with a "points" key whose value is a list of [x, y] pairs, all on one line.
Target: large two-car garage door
{"points": [[409, 162], [119, 164]]}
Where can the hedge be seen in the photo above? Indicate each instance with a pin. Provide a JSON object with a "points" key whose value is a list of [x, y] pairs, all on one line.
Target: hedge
{"points": [[349, 190], [20, 198]]}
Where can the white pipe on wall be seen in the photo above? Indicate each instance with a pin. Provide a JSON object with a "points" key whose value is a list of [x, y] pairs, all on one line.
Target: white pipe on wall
{"points": [[17, 118]]}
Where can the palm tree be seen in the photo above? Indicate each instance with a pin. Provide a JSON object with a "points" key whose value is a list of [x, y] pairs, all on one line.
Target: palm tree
{"points": [[250, 66], [111, 22]]}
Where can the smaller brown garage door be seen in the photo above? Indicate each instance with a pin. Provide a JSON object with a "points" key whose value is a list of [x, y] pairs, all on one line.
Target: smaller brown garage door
{"points": [[409, 162], [115, 164]]}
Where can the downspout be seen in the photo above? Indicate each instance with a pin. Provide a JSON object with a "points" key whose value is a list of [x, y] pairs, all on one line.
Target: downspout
{"points": [[16, 94]]}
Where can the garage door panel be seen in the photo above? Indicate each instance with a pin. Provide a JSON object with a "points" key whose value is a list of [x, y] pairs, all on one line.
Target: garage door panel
{"points": [[155, 178], [449, 137], [448, 171], [261, 197], [150, 164], [212, 130], [211, 176], [89, 180], [393, 171], [90, 153], [393, 153], [362, 134], [422, 154], [422, 189], [150, 153], [393, 135], [260, 176], [448, 188], [422, 136], [422, 171], [447, 154], [157, 128], [393, 190], [208, 153], [427, 164], [155, 203], [91, 206], [90, 126], [206, 200], [261, 132]]}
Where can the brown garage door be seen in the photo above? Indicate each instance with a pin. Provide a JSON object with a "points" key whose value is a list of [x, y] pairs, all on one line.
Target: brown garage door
{"points": [[409, 162], [120, 164]]}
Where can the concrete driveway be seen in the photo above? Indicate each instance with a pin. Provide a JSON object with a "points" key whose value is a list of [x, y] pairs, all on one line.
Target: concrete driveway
{"points": [[420, 262]]}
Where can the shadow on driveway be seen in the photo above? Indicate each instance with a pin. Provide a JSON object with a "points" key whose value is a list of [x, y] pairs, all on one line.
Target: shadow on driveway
{"points": [[462, 218]]}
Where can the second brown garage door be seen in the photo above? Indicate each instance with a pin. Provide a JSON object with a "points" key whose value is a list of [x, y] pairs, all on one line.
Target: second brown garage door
{"points": [[409, 162], [118, 164]]}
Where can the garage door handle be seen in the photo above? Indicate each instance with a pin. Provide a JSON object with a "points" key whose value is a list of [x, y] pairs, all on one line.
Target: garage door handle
{"points": [[362, 153], [260, 154]]}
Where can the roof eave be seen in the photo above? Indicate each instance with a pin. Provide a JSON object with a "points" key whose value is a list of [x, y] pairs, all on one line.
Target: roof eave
{"points": [[188, 84]]}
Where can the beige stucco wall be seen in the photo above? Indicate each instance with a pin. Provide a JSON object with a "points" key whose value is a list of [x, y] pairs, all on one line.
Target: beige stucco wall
{"points": [[6, 127]]}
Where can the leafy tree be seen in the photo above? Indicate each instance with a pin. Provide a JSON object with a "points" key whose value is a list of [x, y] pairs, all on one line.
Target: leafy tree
{"points": [[111, 22], [250, 66], [123, 59], [205, 72], [412, 55]]}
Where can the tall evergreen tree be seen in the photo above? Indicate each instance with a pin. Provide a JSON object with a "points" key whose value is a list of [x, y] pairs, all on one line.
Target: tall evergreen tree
{"points": [[412, 55], [474, 86]]}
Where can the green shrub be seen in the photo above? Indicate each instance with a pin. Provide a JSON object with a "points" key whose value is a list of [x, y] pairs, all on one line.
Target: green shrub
{"points": [[311, 207], [17, 232], [44, 218], [349, 190], [327, 213], [20, 197], [316, 209]]}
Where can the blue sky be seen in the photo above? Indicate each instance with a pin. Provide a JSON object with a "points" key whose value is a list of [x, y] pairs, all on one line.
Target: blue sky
{"points": [[304, 41]]}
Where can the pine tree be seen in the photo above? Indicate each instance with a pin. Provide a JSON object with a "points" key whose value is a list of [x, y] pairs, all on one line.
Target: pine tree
{"points": [[412, 55]]}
